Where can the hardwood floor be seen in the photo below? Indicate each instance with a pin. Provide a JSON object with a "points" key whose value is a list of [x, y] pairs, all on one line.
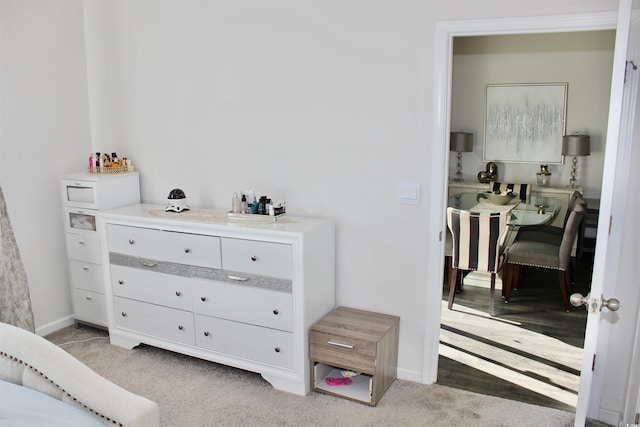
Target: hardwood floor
{"points": [[530, 351]]}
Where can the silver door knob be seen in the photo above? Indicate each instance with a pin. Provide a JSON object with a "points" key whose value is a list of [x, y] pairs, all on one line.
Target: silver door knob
{"points": [[594, 304]]}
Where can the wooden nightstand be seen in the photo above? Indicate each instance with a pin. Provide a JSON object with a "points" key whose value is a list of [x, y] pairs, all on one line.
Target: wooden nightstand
{"points": [[359, 341]]}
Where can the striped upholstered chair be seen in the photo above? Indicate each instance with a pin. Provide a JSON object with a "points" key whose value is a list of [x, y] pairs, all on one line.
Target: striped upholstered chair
{"points": [[523, 190], [477, 239]]}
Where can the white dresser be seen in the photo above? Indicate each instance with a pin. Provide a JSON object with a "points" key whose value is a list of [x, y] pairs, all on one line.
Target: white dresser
{"points": [[240, 294], [83, 196]]}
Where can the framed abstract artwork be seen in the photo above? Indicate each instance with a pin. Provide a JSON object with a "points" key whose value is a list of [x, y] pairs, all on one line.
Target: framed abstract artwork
{"points": [[524, 123]]}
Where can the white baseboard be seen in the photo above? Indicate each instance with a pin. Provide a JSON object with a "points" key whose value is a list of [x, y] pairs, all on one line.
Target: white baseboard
{"points": [[52, 327], [409, 375]]}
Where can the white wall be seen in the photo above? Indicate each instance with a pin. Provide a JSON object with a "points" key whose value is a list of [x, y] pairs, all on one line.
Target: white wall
{"points": [[325, 104], [583, 60], [44, 132]]}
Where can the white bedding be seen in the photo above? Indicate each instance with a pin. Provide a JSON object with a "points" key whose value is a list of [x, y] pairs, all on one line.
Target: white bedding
{"points": [[23, 407]]}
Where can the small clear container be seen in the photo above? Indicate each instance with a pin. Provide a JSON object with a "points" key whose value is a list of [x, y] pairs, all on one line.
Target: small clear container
{"points": [[543, 177]]}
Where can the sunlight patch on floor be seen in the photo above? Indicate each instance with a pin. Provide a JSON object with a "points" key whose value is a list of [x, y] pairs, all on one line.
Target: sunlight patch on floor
{"points": [[543, 373]]}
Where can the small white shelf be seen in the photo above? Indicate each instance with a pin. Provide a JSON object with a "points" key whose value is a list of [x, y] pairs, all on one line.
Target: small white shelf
{"points": [[360, 388]]}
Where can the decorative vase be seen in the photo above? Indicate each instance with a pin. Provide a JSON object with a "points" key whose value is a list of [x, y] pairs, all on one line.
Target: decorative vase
{"points": [[543, 177]]}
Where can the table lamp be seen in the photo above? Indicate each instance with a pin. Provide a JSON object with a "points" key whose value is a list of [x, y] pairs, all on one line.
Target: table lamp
{"points": [[461, 142], [576, 146]]}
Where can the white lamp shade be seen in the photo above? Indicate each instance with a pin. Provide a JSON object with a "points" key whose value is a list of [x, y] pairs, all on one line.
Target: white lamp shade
{"points": [[576, 145]]}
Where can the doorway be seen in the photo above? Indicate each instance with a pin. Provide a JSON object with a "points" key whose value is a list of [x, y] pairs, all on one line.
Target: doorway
{"points": [[445, 31], [532, 350]]}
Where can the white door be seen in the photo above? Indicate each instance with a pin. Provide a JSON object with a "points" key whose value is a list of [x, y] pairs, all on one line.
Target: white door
{"points": [[615, 183], [445, 32]]}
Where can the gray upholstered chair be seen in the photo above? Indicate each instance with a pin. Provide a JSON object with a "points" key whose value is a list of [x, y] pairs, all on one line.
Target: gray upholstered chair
{"points": [[550, 233], [523, 190], [477, 245], [549, 254]]}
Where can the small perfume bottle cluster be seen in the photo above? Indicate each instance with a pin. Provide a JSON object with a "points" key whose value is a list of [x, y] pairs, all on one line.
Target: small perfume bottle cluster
{"points": [[246, 203], [105, 162]]}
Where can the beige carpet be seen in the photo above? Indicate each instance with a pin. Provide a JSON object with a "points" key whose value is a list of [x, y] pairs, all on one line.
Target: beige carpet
{"points": [[193, 392]]}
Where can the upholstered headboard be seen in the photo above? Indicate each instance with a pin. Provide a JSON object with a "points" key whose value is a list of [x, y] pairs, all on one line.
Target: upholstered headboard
{"points": [[31, 361]]}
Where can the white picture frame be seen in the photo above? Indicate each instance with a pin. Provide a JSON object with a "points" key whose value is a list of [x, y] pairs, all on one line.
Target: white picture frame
{"points": [[524, 123]]}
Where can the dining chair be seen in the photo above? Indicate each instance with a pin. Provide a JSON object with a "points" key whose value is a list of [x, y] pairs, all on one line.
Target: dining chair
{"points": [[523, 190], [477, 245], [545, 254], [448, 253], [551, 233]]}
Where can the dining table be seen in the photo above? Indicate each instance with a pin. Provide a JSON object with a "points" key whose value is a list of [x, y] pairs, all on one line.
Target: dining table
{"points": [[521, 213], [535, 211]]}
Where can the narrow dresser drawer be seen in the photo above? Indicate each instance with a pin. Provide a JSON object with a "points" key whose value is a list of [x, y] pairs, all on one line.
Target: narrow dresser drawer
{"points": [[262, 345], [244, 304], [154, 320], [261, 258], [84, 247], [89, 306], [358, 355], [149, 286], [86, 275]]}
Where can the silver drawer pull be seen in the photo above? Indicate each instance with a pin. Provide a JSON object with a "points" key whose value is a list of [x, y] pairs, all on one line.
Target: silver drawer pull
{"points": [[85, 268], [81, 242], [339, 344], [132, 242], [237, 278], [277, 349], [120, 282], [124, 314], [203, 299], [180, 327], [148, 263], [178, 293], [206, 333], [187, 250], [88, 298], [254, 258], [276, 311]]}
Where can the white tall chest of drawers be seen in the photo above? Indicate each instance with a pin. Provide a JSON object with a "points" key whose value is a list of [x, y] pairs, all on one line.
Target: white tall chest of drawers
{"points": [[243, 294], [83, 196]]}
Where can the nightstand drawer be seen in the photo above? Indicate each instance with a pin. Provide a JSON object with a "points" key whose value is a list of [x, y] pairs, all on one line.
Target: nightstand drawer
{"points": [[355, 354]]}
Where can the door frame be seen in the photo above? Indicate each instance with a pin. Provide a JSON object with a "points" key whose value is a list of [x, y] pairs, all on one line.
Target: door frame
{"points": [[446, 31]]}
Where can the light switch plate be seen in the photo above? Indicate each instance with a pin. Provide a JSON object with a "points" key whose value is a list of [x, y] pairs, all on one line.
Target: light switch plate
{"points": [[409, 193]]}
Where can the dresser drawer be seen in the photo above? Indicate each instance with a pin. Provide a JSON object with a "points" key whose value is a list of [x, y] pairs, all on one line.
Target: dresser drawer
{"points": [[139, 242], [86, 275], [154, 320], [358, 355], [260, 258], [89, 306], [254, 343], [190, 249], [84, 247], [181, 248], [80, 220], [243, 304], [149, 286]]}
